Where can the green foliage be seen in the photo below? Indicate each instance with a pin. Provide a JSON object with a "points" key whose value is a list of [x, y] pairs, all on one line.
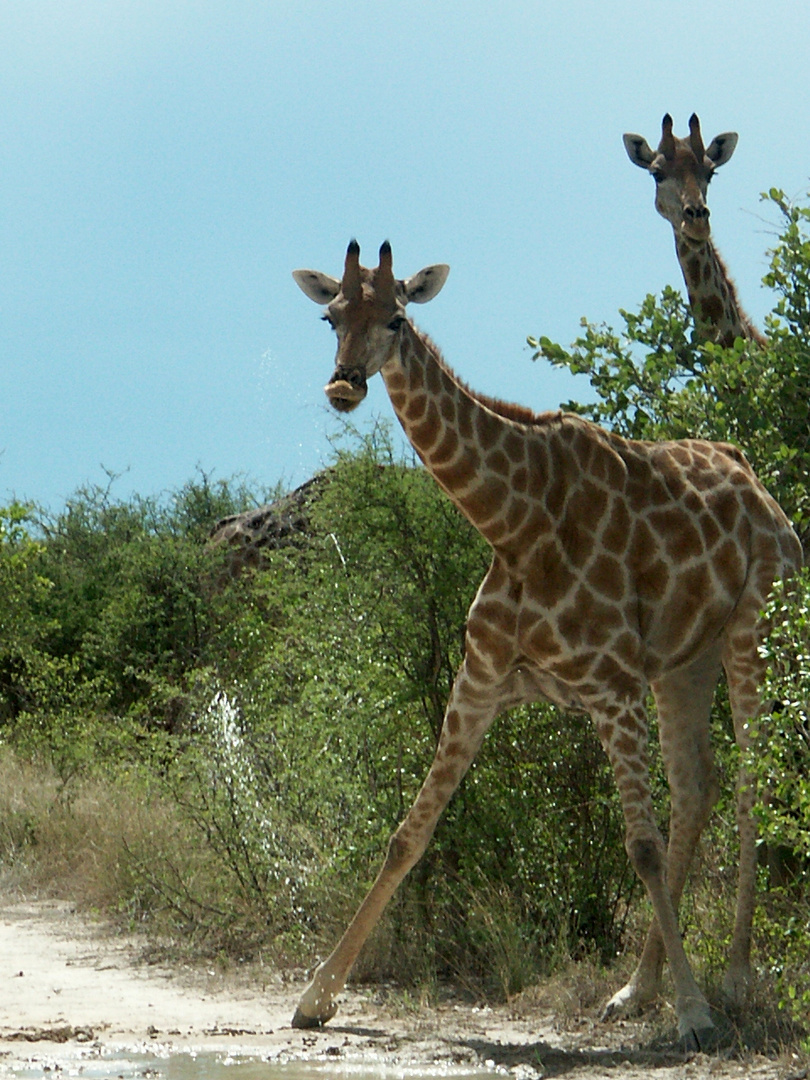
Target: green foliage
{"points": [[780, 761]]}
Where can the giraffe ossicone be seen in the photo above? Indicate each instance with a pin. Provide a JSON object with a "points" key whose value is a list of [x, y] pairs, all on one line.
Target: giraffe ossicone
{"points": [[682, 170], [618, 567]]}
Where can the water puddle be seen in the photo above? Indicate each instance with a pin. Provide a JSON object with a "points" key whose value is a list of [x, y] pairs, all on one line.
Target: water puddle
{"points": [[124, 1065]]}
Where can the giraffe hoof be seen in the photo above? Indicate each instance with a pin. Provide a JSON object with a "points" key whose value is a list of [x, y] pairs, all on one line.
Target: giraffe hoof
{"points": [[629, 1001], [302, 1020], [699, 1040]]}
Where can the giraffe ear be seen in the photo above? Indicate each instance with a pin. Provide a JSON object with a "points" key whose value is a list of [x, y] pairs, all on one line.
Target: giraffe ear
{"points": [[425, 285], [318, 287], [721, 148], [638, 150]]}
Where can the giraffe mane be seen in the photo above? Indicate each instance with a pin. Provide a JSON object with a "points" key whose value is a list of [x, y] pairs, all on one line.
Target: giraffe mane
{"points": [[518, 414], [753, 331]]}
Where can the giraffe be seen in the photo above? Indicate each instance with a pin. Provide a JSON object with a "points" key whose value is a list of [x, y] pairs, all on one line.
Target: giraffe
{"points": [[682, 169], [617, 567], [247, 537]]}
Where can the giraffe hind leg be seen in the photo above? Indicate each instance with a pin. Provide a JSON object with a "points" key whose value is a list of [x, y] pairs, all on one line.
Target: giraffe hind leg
{"points": [[744, 673], [683, 700]]}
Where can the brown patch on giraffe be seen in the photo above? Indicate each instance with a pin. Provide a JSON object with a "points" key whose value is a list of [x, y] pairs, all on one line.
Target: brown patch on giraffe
{"points": [[694, 271], [609, 467], [514, 446], [554, 575], [625, 744], [729, 568], [570, 626], [537, 524], [681, 539], [492, 610], [601, 621], [616, 534], [573, 669], [709, 528], [790, 550], [556, 493], [643, 546], [515, 514], [490, 643], [679, 630], [446, 775], [653, 583], [426, 432], [587, 504], [575, 541], [483, 503], [488, 429], [606, 576], [453, 748], [623, 684], [498, 462], [538, 464], [584, 447], [644, 487], [447, 408], [451, 722], [626, 648], [497, 532], [541, 641], [520, 479], [461, 473], [446, 450], [416, 406], [725, 507], [712, 309], [433, 380], [397, 382], [685, 541], [464, 414]]}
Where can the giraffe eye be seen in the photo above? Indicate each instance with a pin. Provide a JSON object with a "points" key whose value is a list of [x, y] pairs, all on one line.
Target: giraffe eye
{"points": [[396, 323]]}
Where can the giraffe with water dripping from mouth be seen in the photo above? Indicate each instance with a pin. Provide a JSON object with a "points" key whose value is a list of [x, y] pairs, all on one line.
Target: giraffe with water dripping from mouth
{"points": [[618, 568], [682, 170]]}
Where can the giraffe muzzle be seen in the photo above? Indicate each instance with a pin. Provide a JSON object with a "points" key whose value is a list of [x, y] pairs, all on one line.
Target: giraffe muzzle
{"points": [[346, 389], [695, 225]]}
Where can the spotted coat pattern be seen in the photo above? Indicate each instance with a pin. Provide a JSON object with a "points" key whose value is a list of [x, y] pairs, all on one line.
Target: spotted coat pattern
{"points": [[618, 568]]}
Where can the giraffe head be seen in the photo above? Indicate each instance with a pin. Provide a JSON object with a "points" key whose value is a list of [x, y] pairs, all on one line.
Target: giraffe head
{"points": [[682, 169], [366, 309]]}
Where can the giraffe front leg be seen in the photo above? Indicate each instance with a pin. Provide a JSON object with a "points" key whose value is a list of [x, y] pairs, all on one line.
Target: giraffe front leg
{"points": [[469, 714]]}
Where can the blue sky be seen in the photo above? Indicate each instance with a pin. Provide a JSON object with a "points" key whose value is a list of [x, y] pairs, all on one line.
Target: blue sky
{"points": [[165, 165]]}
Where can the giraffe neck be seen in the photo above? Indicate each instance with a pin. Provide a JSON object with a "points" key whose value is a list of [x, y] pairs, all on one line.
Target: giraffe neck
{"points": [[472, 445], [712, 296]]}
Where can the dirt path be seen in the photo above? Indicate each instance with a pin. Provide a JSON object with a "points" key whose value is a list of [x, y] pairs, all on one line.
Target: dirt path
{"points": [[69, 991]]}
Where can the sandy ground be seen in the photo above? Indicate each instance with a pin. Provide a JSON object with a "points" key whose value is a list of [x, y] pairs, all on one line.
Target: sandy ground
{"points": [[70, 992]]}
